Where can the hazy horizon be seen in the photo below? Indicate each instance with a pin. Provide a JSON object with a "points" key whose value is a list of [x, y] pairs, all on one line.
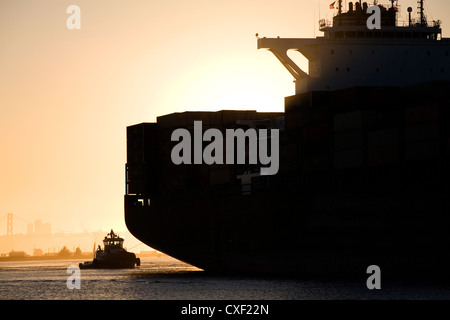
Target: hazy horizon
{"points": [[67, 96]]}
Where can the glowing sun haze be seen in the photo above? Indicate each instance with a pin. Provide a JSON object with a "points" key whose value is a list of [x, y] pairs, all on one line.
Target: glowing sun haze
{"points": [[66, 96]]}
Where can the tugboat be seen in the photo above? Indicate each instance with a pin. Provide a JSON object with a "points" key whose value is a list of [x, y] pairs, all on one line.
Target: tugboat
{"points": [[113, 255]]}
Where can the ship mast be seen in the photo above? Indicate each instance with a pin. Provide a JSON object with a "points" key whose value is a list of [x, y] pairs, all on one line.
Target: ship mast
{"points": [[340, 12], [423, 20]]}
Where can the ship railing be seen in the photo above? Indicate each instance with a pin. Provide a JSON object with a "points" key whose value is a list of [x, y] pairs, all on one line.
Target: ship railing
{"points": [[417, 23], [324, 23]]}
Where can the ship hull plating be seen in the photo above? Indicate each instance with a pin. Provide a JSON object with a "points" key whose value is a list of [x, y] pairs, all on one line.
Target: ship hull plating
{"points": [[323, 235]]}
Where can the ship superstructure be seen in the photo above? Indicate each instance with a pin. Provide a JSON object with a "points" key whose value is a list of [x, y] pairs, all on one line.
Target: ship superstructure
{"points": [[350, 54]]}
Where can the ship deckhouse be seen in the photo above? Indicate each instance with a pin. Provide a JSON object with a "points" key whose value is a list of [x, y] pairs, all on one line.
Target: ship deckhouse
{"points": [[351, 54]]}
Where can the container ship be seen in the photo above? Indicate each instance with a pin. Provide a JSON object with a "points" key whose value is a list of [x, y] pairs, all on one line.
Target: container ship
{"points": [[363, 177]]}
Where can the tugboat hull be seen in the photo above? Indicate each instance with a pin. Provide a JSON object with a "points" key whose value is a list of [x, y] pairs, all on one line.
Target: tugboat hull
{"points": [[124, 260]]}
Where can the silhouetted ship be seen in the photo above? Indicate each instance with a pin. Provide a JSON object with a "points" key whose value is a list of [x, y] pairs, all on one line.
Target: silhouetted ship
{"points": [[113, 255], [364, 163]]}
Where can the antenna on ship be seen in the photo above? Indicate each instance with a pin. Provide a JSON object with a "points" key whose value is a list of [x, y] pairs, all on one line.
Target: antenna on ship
{"points": [[340, 12], [423, 20], [409, 12]]}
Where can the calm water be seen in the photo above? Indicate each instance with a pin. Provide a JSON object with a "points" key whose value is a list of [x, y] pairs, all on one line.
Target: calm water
{"points": [[168, 279]]}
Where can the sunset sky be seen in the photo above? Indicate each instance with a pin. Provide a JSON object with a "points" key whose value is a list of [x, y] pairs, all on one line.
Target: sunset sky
{"points": [[67, 96]]}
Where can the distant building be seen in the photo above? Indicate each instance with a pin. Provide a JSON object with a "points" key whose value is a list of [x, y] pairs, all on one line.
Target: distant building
{"points": [[42, 228], [30, 228], [17, 254], [38, 252]]}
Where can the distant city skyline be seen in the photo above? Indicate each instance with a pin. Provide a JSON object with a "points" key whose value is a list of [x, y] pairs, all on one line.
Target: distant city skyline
{"points": [[53, 242]]}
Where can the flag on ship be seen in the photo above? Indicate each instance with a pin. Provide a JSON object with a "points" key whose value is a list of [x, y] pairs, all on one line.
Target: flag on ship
{"points": [[332, 5]]}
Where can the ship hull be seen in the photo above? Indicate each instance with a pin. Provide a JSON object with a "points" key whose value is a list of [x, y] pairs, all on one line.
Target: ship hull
{"points": [[326, 235]]}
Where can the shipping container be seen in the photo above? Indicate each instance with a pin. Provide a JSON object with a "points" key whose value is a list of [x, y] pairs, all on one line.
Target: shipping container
{"points": [[315, 114], [294, 120], [422, 113], [383, 155], [142, 159], [382, 117], [348, 140], [383, 137], [348, 158], [135, 178], [422, 131], [421, 150], [316, 163], [220, 176], [140, 139], [315, 132], [318, 148], [347, 121]]}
